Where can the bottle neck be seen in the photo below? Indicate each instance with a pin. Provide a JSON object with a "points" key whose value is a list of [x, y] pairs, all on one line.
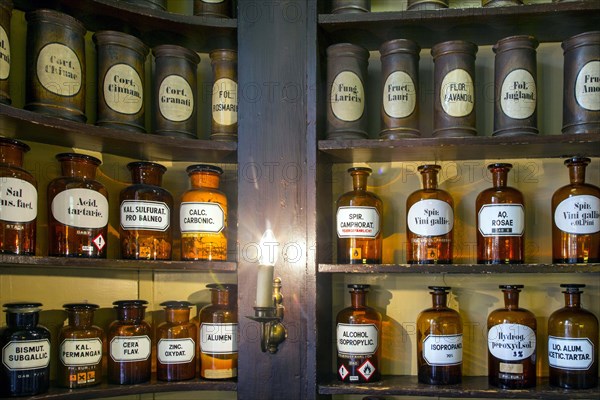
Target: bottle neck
{"points": [[11, 156], [499, 177], [177, 315], [78, 169], [359, 181], [358, 299], [219, 297], [573, 300], [147, 175], [22, 320], [511, 299], [83, 319], [129, 314], [205, 179], [577, 173], [439, 300], [429, 179]]}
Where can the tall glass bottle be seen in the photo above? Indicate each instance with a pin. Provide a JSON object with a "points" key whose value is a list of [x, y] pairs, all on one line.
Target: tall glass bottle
{"points": [[573, 343], [358, 338], [500, 220], [358, 222], [511, 343], [176, 345], [439, 341], [576, 217], [429, 221]]}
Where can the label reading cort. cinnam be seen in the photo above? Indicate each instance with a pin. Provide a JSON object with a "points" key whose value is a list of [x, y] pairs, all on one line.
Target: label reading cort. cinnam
{"points": [[59, 70], [357, 339], [81, 208], [443, 349], [176, 351], [357, 222], [579, 215], [347, 96], [570, 353], [123, 89], [146, 215], [218, 338], [130, 348], [430, 218], [80, 352], [18, 200], [501, 220], [4, 54], [175, 98], [201, 217], [587, 86], [225, 102], [399, 95], [518, 95], [511, 342], [457, 93], [27, 354]]}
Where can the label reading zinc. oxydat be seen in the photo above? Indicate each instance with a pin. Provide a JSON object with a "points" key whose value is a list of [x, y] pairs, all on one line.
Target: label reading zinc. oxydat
{"points": [[225, 102], [218, 338], [27, 354], [123, 89], [347, 96], [501, 220], [4, 54], [18, 200], [511, 342], [130, 348], [518, 95], [579, 215], [176, 351], [175, 98], [570, 353], [147, 215], [399, 95], [80, 352], [357, 222], [457, 93], [443, 349], [356, 339], [587, 86], [201, 217], [430, 218], [59, 70]]}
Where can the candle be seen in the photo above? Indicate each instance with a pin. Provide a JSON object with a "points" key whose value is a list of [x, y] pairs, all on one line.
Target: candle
{"points": [[268, 257]]}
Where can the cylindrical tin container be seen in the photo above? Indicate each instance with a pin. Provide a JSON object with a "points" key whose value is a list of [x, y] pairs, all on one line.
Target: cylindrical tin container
{"points": [[5, 14], [501, 3], [419, 5], [153, 4], [454, 89], [224, 106], [515, 88], [346, 76], [55, 65], [581, 101], [400, 105], [350, 6], [174, 86], [121, 60], [213, 8]]}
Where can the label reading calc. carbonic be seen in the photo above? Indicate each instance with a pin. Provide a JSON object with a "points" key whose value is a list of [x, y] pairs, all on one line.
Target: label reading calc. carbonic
{"points": [[175, 351], [4, 54], [80, 352], [570, 353], [357, 339], [579, 215], [81, 208], [357, 222], [147, 215], [18, 200], [130, 348], [501, 220], [26, 354], [218, 338], [430, 218], [201, 217], [443, 349], [511, 342], [587, 86]]}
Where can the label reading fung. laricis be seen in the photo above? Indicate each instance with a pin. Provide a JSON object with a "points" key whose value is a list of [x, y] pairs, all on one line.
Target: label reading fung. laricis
{"points": [[347, 97]]}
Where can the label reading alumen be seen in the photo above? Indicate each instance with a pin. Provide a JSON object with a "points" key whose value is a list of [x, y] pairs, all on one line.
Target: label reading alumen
{"points": [[59, 70], [347, 99], [218, 338]]}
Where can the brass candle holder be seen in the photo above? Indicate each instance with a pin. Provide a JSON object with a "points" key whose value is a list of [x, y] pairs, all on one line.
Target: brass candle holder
{"points": [[273, 332]]}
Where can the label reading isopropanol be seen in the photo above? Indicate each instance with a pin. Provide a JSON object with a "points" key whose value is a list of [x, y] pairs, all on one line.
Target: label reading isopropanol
{"points": [[357, 222], [443, 349], [579, 215], [357, 339], [570, 353]]}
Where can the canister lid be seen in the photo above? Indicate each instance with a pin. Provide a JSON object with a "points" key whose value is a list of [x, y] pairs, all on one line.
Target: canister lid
{"points": [[222, 286], [358, 286], [399, 46], [454, 46], [173, 50], [142, 164], [102, 38], [78, 156], [204, 168], [511, 287], [176, 304], [515, 42], [14, 142], [591, 38], [129, 303], [347, 50], [223, 55], [57, 18], [22, 307]]}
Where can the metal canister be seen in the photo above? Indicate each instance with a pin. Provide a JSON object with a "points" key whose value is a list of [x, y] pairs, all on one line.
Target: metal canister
{"points": [[581, 101], [419, 5], [213, 8], [224, 104], [5, 14], [174, 87], [454, 89], [121, 77], [515, 86], [153, 4], [346, 95], [501, 3], [55, 65], [350, 6]]}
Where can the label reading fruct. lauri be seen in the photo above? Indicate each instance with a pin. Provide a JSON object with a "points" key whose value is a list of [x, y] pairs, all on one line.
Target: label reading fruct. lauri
{"points": [[357, 222], [81, 208], [80, 352], [225, 102], [130, 348], [59, 70], [457, 93], [27, 354], [430, 218], [501, 220], [146, 215], [4, 54], [123, 89], [356, 339], [201, 217], [587, 86], [18, 200], [579, 215], [218, 338], [511, 342], [570, 353], [518, 95], [176, 351], [347, 96], [399, 95], [443, 349], [175, 98]]}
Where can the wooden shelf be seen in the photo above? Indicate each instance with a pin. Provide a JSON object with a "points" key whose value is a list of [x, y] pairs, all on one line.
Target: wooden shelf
{"points": [[459, 268]]}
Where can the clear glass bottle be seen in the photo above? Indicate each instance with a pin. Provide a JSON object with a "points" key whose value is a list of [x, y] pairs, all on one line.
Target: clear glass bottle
{"points": [[358, 222], [573, 343], [358, 339], [429, 221], [77, 209], [439, 341], [203, 215], [576, 217], [511, 343], [500, 220], [81, 348], [145, 229], [18, 200]]}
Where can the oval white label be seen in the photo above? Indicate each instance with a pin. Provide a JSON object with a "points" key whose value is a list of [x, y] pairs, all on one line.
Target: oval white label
{"points": [[18, 200], [518, 96], [443, 349], [146, 215], [501, 220], [123, 89], [201, 217], [59, 70], [430, 218], [511, 342], [79, 352], [225, 102], [457, 93], [587, 86], [570, 353], [399, 95], [218, 338], [4, 54], [579, 215], [130, 348], [81, 208], [347, 96], [357, 222], [176, 351], [26, 354], [357, 339], [175, 98]]}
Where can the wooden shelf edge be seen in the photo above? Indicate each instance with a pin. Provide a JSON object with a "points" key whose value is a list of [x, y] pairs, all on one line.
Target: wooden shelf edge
{"points": [[458, 268]]}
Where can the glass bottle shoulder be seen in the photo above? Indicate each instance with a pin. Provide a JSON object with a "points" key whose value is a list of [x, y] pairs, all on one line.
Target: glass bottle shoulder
{"points": [[359, 315], [146, 192], [65, 183], [76, 332], [576, 189], [429, 194], [359, 198], [217, 314], [38, 332], [572, 314], [10, 171], [130, 328], [500, 195], [512, 316], [204, 195]]}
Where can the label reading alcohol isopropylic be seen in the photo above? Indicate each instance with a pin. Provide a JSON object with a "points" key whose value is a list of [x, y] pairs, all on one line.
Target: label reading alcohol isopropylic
{"points": [[347, 97], [511, 342], [357, 222], [399, 95], [201, 217], [18, 200], [146, 215], [4, 54], [579, 215], [518, 95], [130, 348], [457, 93], [587, 86], [80, 352], [26, 354], [175, 99], [123, 89], [430, 218], [357, 339], [81, 208], [501, 220], [59, 70], [443, 349], [176, 351], [570, 353], [218, 338]]}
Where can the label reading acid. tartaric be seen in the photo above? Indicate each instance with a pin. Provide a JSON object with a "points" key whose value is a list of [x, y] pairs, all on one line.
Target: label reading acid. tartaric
{"points": [[123, 89], [80, 352], [357, 222], [225, 102], [18, 200], [201, 217], [357, 339], [399, 95], [579, 215], [175, 99], [587, 86], [570, 353], [176, 351], [27, 354], [146, 215], [59, 70], [4, 54], [130, 348], [501, 220], [518, 95], [81, 208], [430, 218], [218, 338], [511, 342], [347, 96], [457, 94], [443, 349]]}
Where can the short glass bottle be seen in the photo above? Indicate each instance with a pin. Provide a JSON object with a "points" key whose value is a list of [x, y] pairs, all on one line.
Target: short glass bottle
{"points": [[573, 343], [219, 333], [81, 348], [439, 341], [203, 216], [358, 363], [129, 344], [429, 221], [500, 220], [20, 375], [511, 343], [358, 222], [145, 230], [176, 343], [77, 209], [576, 217], [18, 200]]}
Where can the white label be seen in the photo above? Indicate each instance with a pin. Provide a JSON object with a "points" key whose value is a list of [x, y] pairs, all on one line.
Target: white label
{"points": [[502, 220], [59, 70], [457, 93], [201, 217], [176, 351], [123, 89], [130, 348], [4, 54], [225, 102], [399, 95], [511, 342], [579, 215], [357, 339], [218, 338], [430, 218], [175, 98], [587, 86], [443, 349], [81, 208], [27, 354], [147, 215], [79, 352], [347, 96], [518, 95], [570, 353], [357, 222], [18, 200]]}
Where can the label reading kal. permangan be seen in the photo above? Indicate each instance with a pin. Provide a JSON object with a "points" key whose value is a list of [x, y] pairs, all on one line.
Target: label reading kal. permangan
{"points": [[357, 222], [146, 215], [80, 352], [59, 70], [218, 338], [18, 200], [347, 97]]}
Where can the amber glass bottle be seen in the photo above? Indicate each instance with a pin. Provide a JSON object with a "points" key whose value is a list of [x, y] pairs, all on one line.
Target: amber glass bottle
{"points": [[358, 338], [18, 200], [576, 217], [500, 220], [81, 348], [203, 216], [573, 343], [429, 221], [145, 229], [77, 209], [176, 345], [439, 341], [511, 343], [219, 333], [358, 222]]}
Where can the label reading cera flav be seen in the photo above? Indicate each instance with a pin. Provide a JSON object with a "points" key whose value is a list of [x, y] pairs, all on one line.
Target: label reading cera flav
{"points": [[59, 70], [175, 99], [130, 348], [18, 200]]}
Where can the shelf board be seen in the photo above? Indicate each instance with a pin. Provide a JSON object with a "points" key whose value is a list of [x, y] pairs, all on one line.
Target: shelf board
{"points": [[458, 268]]}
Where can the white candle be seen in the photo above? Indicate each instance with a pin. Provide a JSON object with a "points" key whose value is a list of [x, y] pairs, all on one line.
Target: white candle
{"points": [[264, 286]]}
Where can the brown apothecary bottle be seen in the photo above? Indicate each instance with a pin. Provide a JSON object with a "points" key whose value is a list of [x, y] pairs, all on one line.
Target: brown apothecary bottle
{"points": [[511, 343], [81, 348], [350, 6], [219, 333], [145, 214], [176, 343], [77, 209], [224, 106], [18, 200], [6, 7], [500, 220], [213, 8], [576, 217]]}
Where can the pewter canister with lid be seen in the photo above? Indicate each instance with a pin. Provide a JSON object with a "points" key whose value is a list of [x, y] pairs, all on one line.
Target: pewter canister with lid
{"points": [[152, 4], [5, 14], [419, 5], [224, 106], [350, 6], [213, 8], [501, 3]]}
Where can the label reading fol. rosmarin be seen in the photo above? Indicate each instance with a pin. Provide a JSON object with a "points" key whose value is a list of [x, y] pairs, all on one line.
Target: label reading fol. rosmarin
{"points": [[80, 352], [587, 86], [59, 70], [130, 348], [357, 222], [27, 354], [81, 208], [570, 353], [176, 351], [356, 339], [430, 218], [146, 215], [399, 95], [4, 54], [123, 89], [347, 97], [579, 215], [518, 95], [225, 102], [218, 338], [18, 200], [501, 220], [457, 94], [175, 98], [511, 342], [201, 217], [443, 349]]}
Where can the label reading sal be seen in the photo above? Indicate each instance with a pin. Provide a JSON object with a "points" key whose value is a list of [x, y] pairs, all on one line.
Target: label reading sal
{"points": [[570, 353], [4, 54], [587, 86], [356, 339], [357, 222], [176, 351], [147, 215], [225, 102], [81, 208], [579, 215], [175, 98], [501, 220], [59, 70], [80, 352], [201, 217], [399, 95], [218, 338], [518, 95], [511, 342], [28, 354], [123, 89], [443, 349], [347, 96], [457, 93], [430, 218], [18, 200], [130, 348]]}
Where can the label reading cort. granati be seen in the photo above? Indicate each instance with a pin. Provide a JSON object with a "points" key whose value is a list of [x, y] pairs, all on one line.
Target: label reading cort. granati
{"points": [[430, 218], [357, 339], [80, 352], [579, 215], [501, 220], [123, 89], [146, 215], [27, 354], [570, 353], [201, 217], [225, 102], [4, 54], [357, 222], [457, 93], [518, 95], [18, 200], [175, 98], [399, 95], [81, 208], [347, 96], [587, 86], [59, 70], [130, 348], [511, 342], [443, 349]]}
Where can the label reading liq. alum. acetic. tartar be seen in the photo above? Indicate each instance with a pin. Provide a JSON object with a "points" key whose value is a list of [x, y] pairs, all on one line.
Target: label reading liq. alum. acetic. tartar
{"points": [[570, 353]]}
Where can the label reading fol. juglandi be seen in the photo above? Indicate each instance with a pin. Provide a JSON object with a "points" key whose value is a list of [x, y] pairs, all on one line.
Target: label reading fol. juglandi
{"points": [[511, 342], [27, 354], [347, 96], [147, 215], [79, 352], [399, 95], [501, 220], [130, 348], [175, 98], [518, 95], [59, 70], [357, 339], [430, 218], [225, 102], [218, 338], [579, 215], [443, 349], [176, 351], [18, 200], [457, 93], [123, 89], [570, 353], [81, 208], [201, 217], [587, 86], [4, 54], [357, 222]]}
